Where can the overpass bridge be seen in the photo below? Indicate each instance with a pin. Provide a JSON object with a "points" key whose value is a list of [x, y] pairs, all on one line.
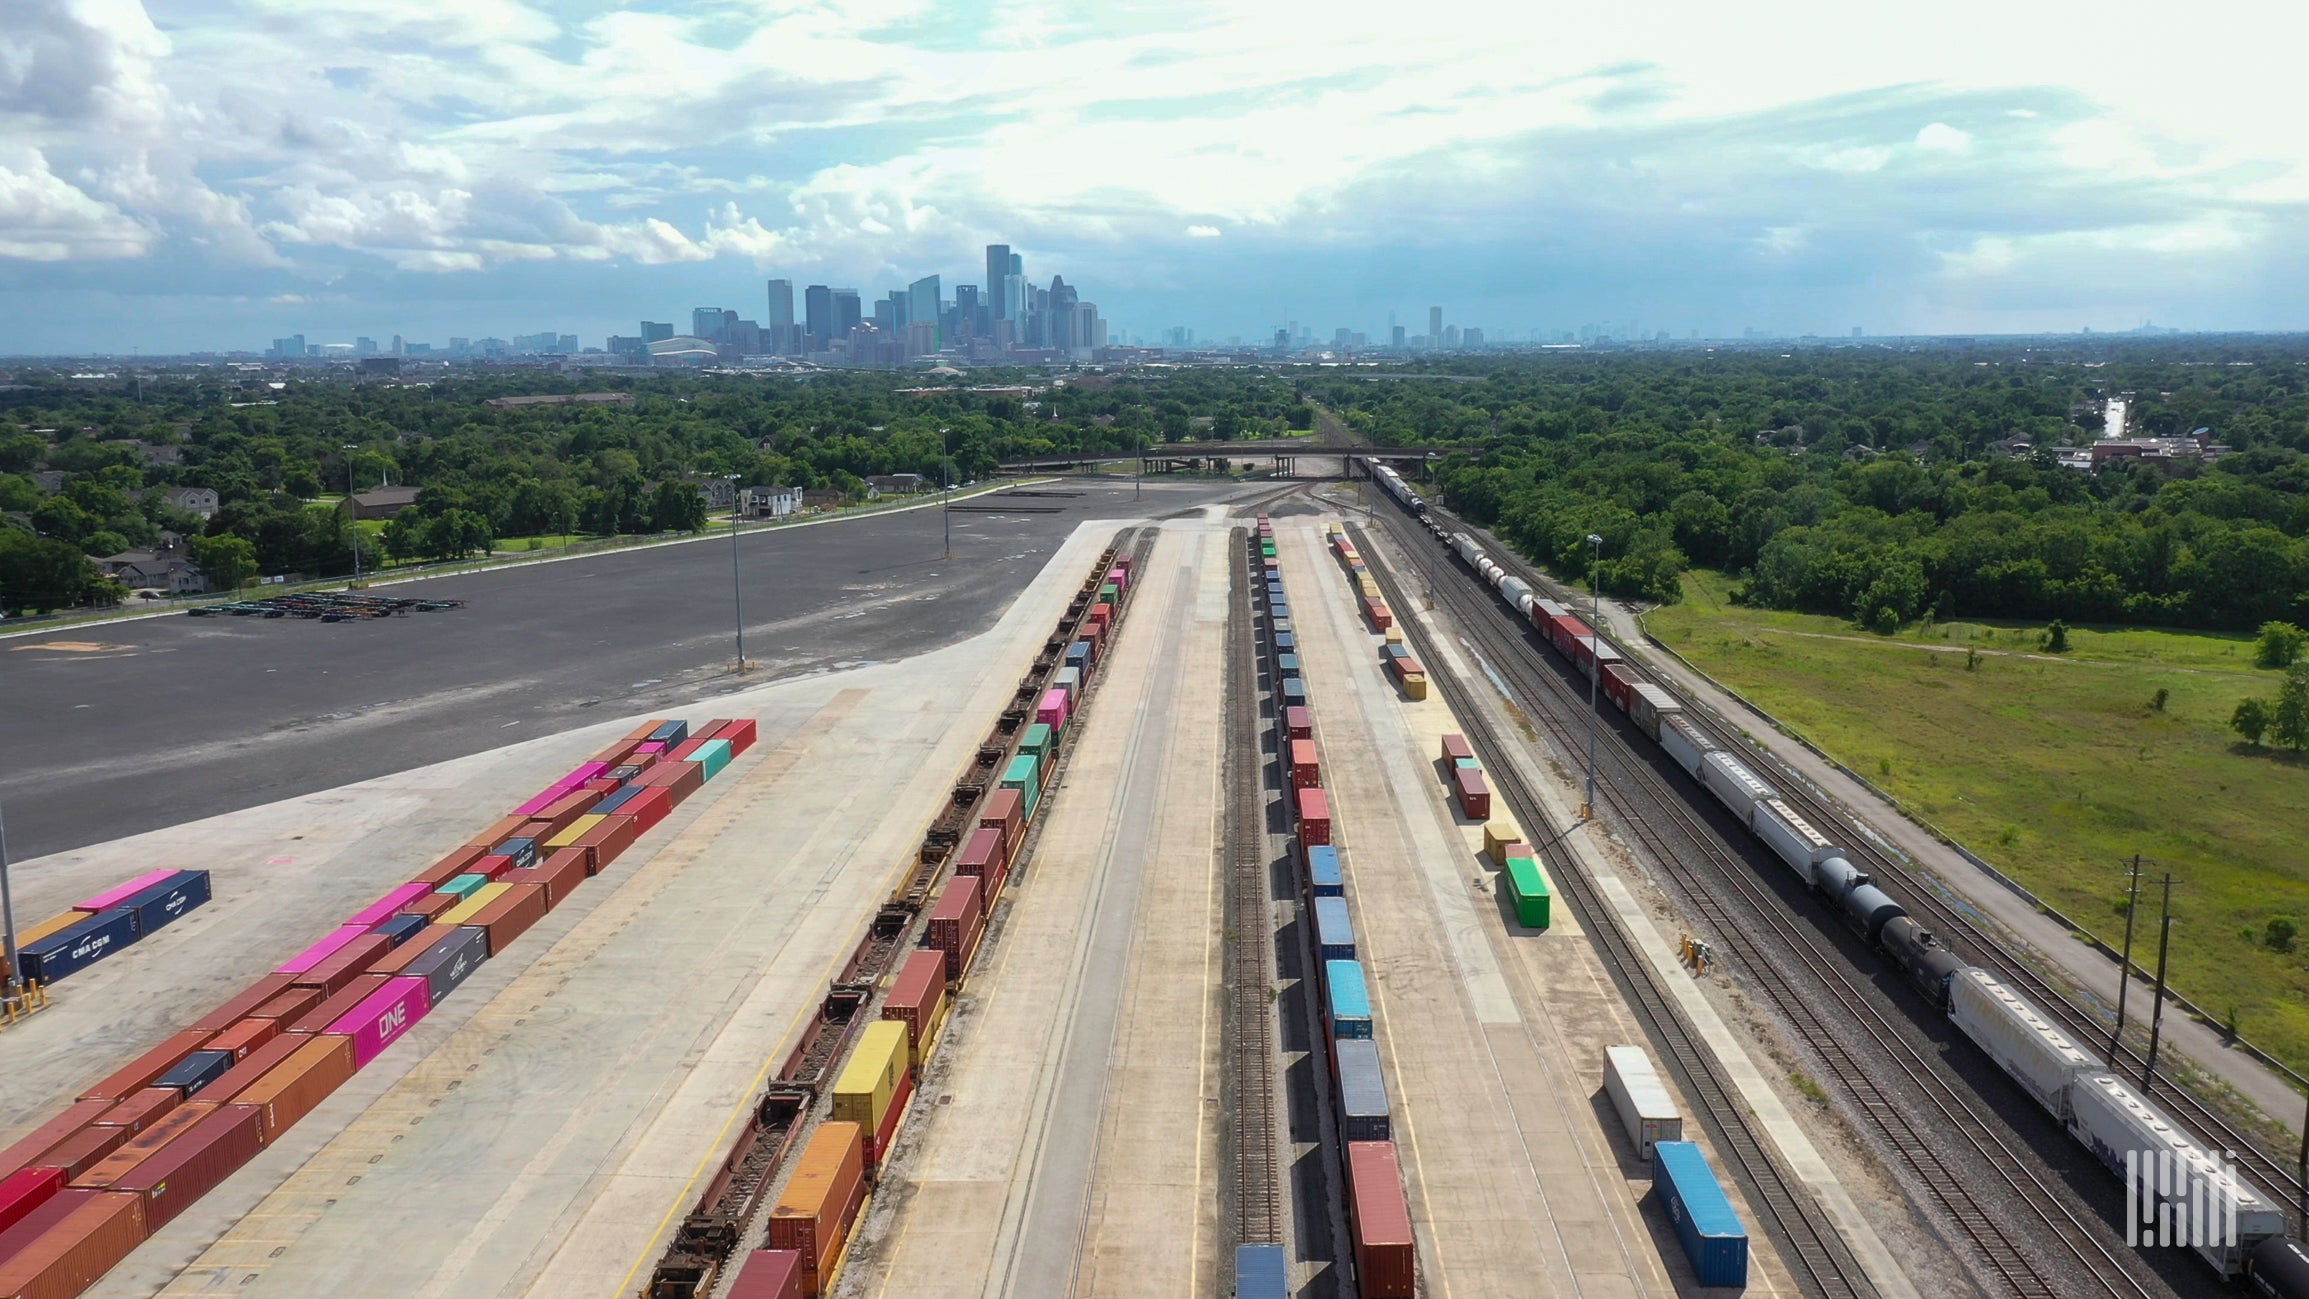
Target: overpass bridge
{"points": [[1284, 454]]}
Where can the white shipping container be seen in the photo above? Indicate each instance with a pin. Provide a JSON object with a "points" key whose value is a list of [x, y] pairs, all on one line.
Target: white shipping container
{"points": [[1791, 837], [1651, 704], [1646, 1109], [2113, 1119], [1733, 784], [1685, 743], [2017, 1036]]}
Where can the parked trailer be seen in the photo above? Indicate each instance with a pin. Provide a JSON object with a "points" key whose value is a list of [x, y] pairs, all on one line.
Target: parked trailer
{"points": [[1710, 1231], [1645, 1108]]}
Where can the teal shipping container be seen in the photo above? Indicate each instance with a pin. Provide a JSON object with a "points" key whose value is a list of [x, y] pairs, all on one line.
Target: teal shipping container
{"points": [[713, 755], [1037, 741], [463, 884]]}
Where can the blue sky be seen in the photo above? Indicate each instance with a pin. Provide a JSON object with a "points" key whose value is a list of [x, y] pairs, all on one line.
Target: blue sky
{"points": [[214, 173]]}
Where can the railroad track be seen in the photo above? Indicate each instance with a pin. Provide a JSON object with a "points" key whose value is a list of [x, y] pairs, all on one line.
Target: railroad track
{"points": [[1927, 900], [1920, 1117], [1258, 1198]]}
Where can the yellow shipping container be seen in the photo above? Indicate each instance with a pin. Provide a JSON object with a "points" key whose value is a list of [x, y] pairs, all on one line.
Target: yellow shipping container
{"points": [[1368, 586], [472, 904], [1415, 686], [577, 829], [1497, 835], [1394, 635], [868, 1084]]}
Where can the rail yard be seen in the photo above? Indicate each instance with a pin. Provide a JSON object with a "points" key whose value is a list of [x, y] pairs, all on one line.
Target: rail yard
{"points": [[1224, 919]]}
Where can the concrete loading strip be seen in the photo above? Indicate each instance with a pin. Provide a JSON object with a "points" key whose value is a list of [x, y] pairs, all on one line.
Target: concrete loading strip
{"points": [[706, 1253], [1650, 960]]}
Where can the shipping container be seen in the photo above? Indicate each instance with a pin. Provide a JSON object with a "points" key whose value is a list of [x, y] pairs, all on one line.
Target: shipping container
{"points": [[669, 734], [29, 1149], [100, 1230], [346, 964], [918, 1000], [249, 998], [1377, 611], [463, 912], [390, 905], [1379, 1219], [874, 1086], [66, 953], [134, 1150], [288, 1006], [1619, 685], [328, 946], [158, 904], [1324, 879], [1471, 793], [1565, 633], [298, 1084], [814, 1213], [1346, 999], [1036, 741], [1362, 1090], [616, 799], [48, 928], [1005, 810], [383, 1017], [2017, 1036], [494, 864], [462, 887], [195, 1072], [1527, 890], [1261, 1272], [739, 733], [499, 831], [607, 841], [1710, 1231], [22, 1192], [1648, 704], [519, 854], [120, 893], [1314, 820], [1456, 747], [1645, 1108], [1305, 766], [192, 1165], [139, 1073], [141, 1111], [1299, 723], [1294, 693], [955, 924], [333, 1008], [1334, 932], [510, 915], [1496, 836], [982, 855], [256, 1065], [1685, 742], [648, 808], [559, 875], [401, 929], [449, 961], [574, 831], [1287, 642], [770, 1274]]}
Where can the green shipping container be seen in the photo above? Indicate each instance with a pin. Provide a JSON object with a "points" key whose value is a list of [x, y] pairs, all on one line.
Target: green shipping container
{"points": [[1037, 741], [1470, 764], [463, 885], [1022, 773], [1109, 593], [1527, 889], [713, 755]]}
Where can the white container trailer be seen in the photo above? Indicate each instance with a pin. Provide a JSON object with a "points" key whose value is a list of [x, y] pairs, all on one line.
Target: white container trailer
{"points": [[1649, 704], [1733, 784], [1686, 743], [2183, 1194], [1646, 1109], [1791, 838], [2017, 1036]]}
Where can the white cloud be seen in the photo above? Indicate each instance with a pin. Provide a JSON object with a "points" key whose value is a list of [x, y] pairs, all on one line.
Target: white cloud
{"points": [[1202, 232], [45, 219], [1940, 137]]}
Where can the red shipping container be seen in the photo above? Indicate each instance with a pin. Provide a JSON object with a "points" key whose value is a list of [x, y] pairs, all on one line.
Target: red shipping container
{"points": [[1456, 747], [741, 734], [290, 1004], [346, 964], [1380, 1220], [613, 754], [559, 875], [1563, 631], [1299, 722], [603, 784], [491, 866], [1306, 767], [648, 808], [878, 1145], [242, 1076], [1474, 795], [1005, 810], [85, 1149], [323, 1014], [142, 1110], [498, 832], [1619, 685], [1314, 817], [814, 1213], [139, 1073], [535, 828], [682, 778], [244, 1037], [604, 842], [101, 1229], [955, 924], [299, 1083], [1376, 610], [982, 853], [453, 865], [136, 1149], [770, 1274], [23, 1192], [915, 1000], [256, 994], [511, 915], [192, 1165], [39, 1141], [432, 906]]}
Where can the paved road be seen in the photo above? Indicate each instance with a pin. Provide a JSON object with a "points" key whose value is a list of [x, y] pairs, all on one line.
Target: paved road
{"points": [[150, 723]]}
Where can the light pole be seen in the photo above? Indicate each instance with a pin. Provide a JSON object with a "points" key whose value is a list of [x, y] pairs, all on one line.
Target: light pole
{"points": [[1595, 668], [946, 489], [737, 590], [353, 512], [8, 922]]}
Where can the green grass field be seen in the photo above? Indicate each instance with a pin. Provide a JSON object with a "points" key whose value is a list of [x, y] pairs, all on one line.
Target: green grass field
{"points": [[2057, 769]]}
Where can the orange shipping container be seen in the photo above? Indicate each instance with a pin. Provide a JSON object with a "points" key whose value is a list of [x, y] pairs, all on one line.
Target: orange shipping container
{"points": [[142, 1110], [290, 1004], [604, 842], [232, 1082], [511, 915], [498, 832], [244, 1037], [257, 994], [29, 1148], [139, 1073], [453, 865], [128, 1154], [298, 1084], [432, 906], [821, 1200], [325, 1013], [70, 1256]]}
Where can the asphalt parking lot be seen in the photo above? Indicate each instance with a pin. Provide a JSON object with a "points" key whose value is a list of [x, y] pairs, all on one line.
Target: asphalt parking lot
{"points": [[114, 730]]}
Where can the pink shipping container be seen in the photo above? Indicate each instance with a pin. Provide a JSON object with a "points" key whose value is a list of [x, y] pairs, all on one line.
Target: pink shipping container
{"points": [[1052, 710], [385, 908], [113, 897], [324, 949], [543, 799], [649, 750], [26, 1191], [770, 1274], [381, 1019]]}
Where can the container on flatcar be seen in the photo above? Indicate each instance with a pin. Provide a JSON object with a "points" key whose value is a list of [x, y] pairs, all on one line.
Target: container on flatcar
{"points": [[1346, 999], [1334, 930], [1386, 1265], [1362, 1092]]}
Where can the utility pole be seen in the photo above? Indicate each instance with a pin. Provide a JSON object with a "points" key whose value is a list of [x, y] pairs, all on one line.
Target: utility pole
{"points": [[737, 589], [2157, 1017], [2125, 972], [1595, 668], [946, 489], [2301, 1175], [8, 922]]}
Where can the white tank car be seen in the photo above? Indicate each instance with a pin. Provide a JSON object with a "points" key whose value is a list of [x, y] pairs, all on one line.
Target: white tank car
{"points": [[1733, 784], [2018, 1037], [1790, 837], [2207, 1206]]}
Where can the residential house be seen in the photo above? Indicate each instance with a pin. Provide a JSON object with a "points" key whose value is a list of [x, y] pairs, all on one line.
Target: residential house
{"points": [[383, 503], [772, 502], [154, 570], [193, 500], [880, 485], [720, 493], [161, 455], [822, 498]]}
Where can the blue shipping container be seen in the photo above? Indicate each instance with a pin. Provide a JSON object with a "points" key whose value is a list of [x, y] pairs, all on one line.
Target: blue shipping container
{"points": [[616, 799], [1281, 627], [1713, 1238], [450, 962], [1323, 872], [1349, 1000], [1286, 643], [79, 947], [669, 735], [521, 849], [402, 928], [1261, 1272], [1287, 664], [196, 1071], [1279, 611], [1294, 692], [1334, 932], [1362, 1091], [165, 901]]}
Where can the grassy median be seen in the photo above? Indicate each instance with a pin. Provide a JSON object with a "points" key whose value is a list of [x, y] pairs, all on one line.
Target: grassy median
{"points": [[2058, 768]]}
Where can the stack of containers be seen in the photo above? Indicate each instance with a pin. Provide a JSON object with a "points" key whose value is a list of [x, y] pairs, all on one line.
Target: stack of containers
{"points": [[82, 1190], [1378, 1214]]}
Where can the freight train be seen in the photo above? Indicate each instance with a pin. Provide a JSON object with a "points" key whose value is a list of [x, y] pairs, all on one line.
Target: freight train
{"points": [[2106, 1114]]}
